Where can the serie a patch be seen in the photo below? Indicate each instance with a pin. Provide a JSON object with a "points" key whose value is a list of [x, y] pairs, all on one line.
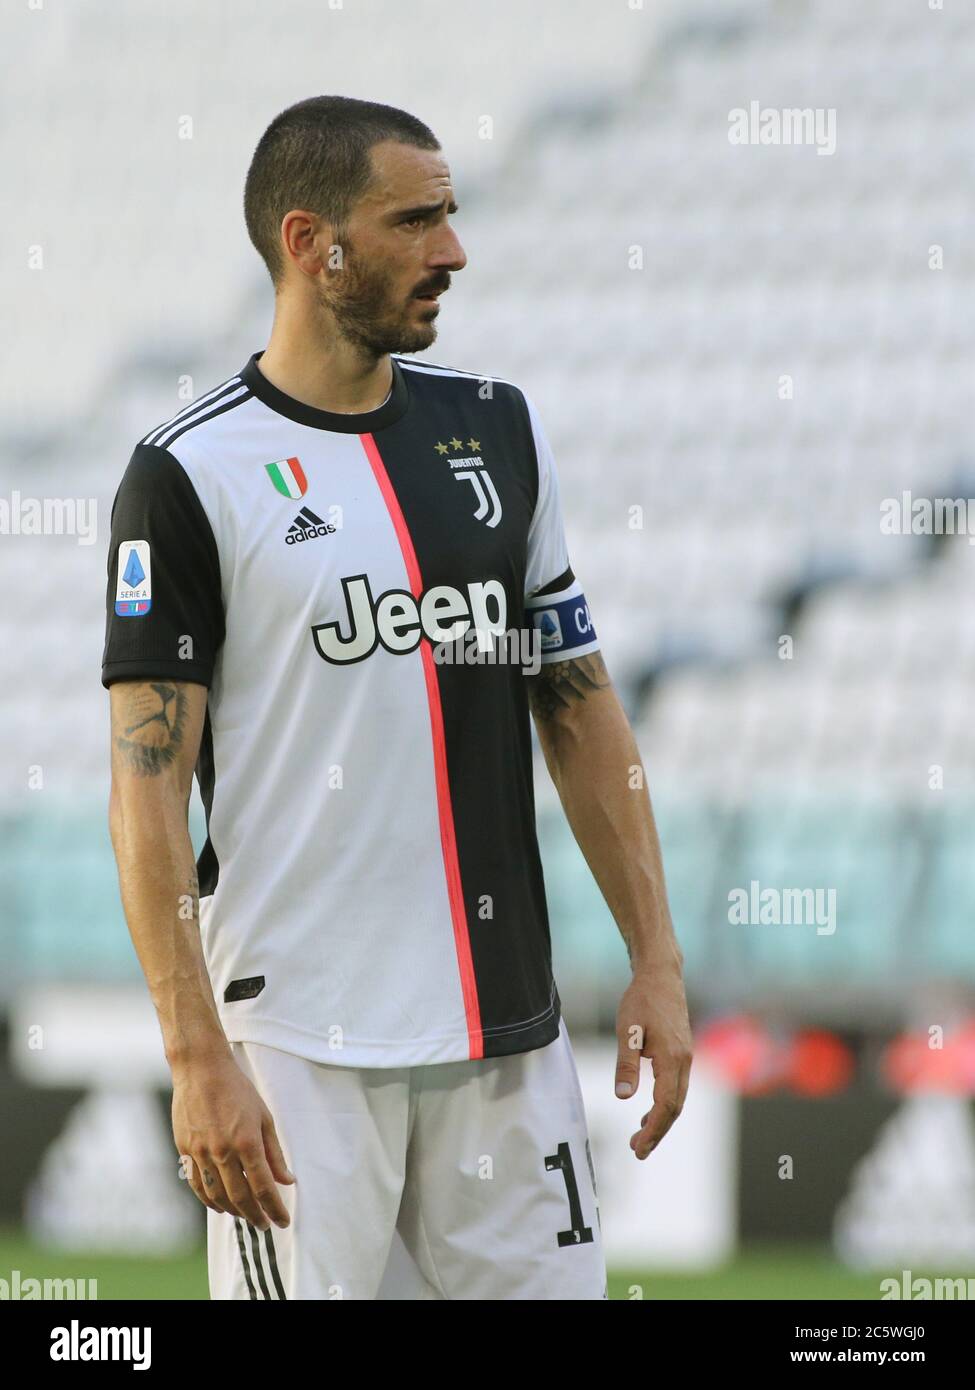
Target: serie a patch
{"points": [[565, 627], [133, 596]]}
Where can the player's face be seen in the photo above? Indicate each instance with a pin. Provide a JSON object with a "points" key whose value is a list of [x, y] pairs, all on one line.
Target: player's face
{"points": [[398, 252]]}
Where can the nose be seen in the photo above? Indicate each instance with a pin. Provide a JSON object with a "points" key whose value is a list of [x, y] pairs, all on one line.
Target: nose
{"points": [[447, 253]]}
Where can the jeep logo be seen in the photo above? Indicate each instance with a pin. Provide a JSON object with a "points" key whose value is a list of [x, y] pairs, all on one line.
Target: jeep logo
{"points": [[398, 621]]}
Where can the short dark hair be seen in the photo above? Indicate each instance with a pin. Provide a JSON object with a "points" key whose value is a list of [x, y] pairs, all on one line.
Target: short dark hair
{"points": [[315, 155]]}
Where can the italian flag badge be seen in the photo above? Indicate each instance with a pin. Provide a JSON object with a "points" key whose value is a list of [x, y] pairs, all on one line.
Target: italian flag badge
{"points": [[288, 477]]}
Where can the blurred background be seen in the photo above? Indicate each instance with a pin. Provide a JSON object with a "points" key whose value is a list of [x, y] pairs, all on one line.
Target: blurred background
{"points": [[752, 354]]}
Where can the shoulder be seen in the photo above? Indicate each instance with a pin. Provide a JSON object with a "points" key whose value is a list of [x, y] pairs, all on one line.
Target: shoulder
{"points": [[501, 405], [438, 378], [193, 430], [505, 409], [176, 462]]}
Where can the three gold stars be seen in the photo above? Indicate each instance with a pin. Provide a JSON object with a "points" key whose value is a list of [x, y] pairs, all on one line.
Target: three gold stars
{"points": [[455, 443]]}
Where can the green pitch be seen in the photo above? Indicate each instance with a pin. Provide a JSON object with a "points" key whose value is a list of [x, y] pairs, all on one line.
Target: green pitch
{"points": [[785, 1272]]}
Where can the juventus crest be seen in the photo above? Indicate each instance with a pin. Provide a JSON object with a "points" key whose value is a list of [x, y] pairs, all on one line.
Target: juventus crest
{"points": [[488, 502]]}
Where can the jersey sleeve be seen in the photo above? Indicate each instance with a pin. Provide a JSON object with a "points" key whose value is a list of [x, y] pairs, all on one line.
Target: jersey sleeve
{"points": [[164, 609], [554, 601]]}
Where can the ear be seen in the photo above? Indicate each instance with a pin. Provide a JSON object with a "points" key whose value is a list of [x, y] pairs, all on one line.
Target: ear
{"points": [[309, 242]]}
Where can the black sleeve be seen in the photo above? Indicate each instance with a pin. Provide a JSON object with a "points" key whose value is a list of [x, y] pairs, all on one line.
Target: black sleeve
{"points": [[164, 608]]}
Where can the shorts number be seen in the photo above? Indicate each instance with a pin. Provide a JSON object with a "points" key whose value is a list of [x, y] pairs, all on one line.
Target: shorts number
{"points": [[578, 1234]]}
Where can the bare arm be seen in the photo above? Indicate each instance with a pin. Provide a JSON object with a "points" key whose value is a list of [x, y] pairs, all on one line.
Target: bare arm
{"points": [[219, 1120], [594, 762], [156, 729]]}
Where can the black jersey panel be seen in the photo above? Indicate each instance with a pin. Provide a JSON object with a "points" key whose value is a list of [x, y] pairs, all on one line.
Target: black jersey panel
{"points": [[464, 473]]}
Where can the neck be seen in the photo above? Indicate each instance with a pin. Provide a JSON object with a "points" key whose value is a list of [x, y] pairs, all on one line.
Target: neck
{"points": [[308, 360]]}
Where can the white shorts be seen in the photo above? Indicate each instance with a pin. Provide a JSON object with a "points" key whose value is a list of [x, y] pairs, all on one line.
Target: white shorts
{"points": [[460, 1180]]}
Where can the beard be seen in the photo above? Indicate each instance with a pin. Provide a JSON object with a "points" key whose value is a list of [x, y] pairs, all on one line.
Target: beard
{"points": [[362, 303]]}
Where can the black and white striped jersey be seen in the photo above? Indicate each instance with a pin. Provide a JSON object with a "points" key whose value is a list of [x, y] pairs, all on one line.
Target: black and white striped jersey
{"points": [[361, 595]]}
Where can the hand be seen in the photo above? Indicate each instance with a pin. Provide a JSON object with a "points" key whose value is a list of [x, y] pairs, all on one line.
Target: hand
{"points": [[652, 1022], [226, 1136]]}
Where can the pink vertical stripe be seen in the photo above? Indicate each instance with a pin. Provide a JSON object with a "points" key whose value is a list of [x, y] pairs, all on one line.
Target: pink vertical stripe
{"points": [[448, 838]]}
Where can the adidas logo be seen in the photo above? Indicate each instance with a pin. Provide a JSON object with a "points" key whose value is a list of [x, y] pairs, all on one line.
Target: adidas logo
{"points": [[306, 526]]}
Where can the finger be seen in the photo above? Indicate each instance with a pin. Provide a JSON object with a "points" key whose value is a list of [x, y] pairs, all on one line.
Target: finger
{"points": [[274, 1153], [683, 1083], [685, 1080], [196, 1187], [239, 1190], [668, 1093], [204, 1194], [629, 1048], [261, 1183], [213, 1183]]}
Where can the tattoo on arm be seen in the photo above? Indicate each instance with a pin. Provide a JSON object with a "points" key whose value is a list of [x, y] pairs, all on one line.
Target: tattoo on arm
{"points": [[152, 728], [563, 684]]}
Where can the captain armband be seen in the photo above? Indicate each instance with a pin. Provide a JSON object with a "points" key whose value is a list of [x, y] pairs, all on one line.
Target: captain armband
{"points": [[564, 623]]}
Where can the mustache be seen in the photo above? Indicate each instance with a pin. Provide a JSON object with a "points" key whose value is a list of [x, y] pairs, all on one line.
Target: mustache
{"points": [[438, 287]]}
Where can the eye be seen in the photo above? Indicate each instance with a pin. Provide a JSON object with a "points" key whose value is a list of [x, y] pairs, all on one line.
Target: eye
{"points": [[412, 222]]}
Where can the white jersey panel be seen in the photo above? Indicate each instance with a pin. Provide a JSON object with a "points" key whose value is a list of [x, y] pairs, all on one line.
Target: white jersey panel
{"points": [[310, 929]]}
